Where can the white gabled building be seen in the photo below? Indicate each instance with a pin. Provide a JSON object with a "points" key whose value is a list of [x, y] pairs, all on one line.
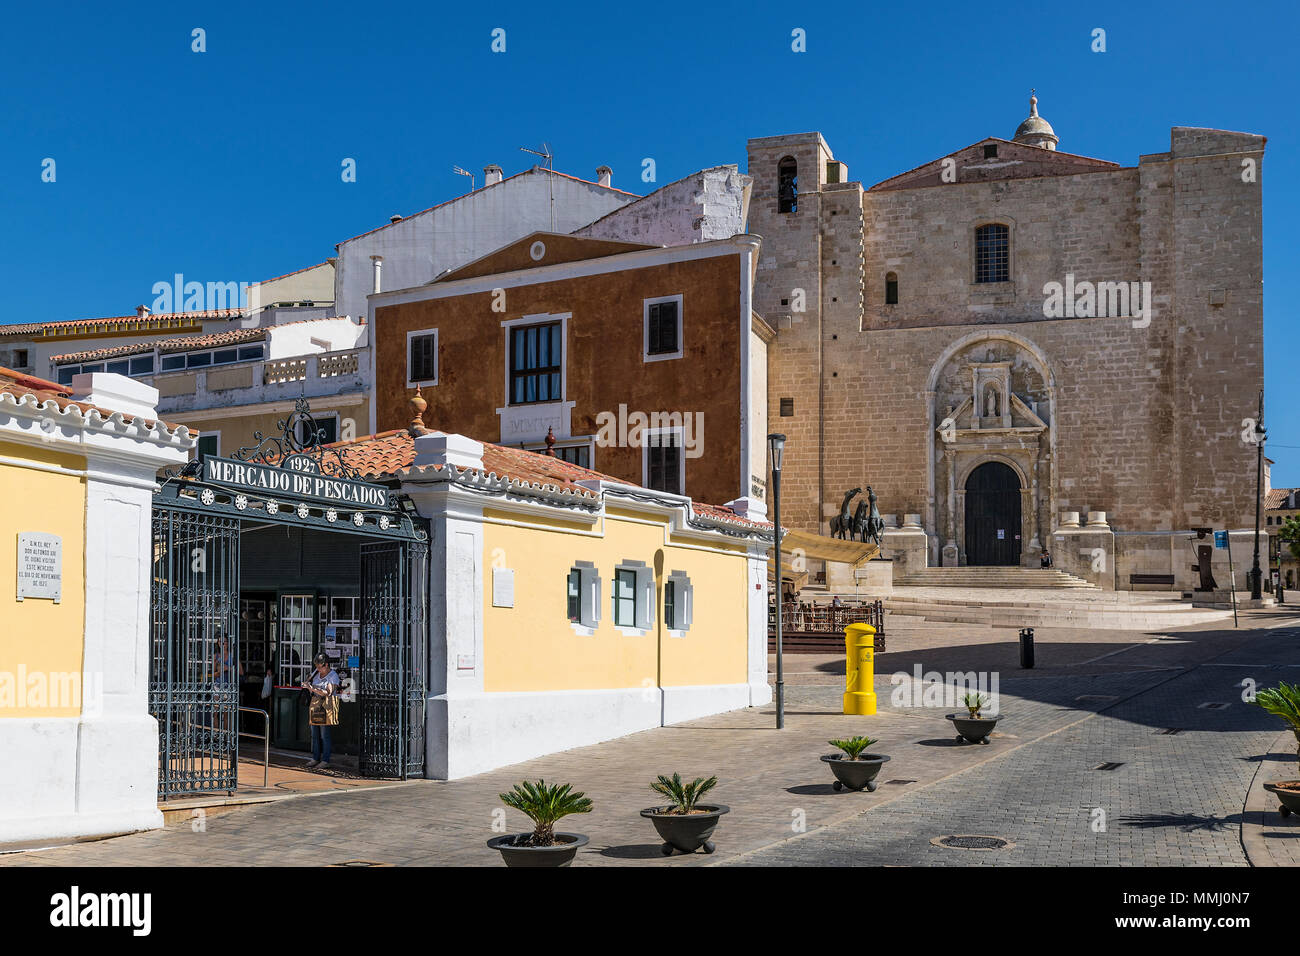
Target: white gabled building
{"points": [[416, 249]]}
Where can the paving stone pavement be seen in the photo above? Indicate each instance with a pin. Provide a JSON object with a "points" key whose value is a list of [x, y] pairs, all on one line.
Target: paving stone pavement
{"points": [[1177, 799]]}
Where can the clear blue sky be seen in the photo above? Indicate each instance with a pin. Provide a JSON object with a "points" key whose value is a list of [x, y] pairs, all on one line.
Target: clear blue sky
{"points": [[225, 165]]}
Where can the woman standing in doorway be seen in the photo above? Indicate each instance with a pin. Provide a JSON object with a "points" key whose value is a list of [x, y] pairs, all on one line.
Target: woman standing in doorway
{"points": [[323, 713]]}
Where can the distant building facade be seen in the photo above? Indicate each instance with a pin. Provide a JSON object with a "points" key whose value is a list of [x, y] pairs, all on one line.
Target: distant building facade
{"points": [[1023, 348], [646, 363], [231, 385]]}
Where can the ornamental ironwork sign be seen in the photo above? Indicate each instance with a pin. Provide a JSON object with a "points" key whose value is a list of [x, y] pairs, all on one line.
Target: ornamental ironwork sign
{"points": [[299, 447], [292, 477], [298, 476]]}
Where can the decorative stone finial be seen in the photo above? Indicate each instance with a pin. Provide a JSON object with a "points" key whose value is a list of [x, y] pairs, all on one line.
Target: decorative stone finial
{"points": [[550, 442], [417, 405], [1033, 103]]}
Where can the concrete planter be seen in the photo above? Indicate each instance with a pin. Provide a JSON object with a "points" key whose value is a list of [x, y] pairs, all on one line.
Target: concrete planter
{"points": [[686, 832], [974, 729], [516, 853], [855, 774], [1288, 800]]}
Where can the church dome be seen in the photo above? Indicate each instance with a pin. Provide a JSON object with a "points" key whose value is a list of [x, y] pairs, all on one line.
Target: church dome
{"points": [[1035, 131]]}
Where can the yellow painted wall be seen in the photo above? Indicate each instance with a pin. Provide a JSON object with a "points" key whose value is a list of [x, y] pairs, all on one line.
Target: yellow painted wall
{"points": [[237, 430], [533, 647], [39, 638]]}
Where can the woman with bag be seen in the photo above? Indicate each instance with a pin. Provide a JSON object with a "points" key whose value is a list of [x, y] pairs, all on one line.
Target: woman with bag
{"points": [[323, 711]]}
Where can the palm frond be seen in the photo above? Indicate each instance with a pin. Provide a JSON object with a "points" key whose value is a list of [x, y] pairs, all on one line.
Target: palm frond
{"points": [[854, 746]]}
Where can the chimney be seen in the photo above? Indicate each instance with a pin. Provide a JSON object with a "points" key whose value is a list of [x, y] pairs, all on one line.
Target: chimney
{"points": [[378, 262], [115, 393], [440, 448], [142, 310], [395, 218], [491, 174], [603, 175]]}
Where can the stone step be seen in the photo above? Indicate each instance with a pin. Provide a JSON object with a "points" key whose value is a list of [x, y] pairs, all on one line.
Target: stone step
{"points": [[993, 577]]}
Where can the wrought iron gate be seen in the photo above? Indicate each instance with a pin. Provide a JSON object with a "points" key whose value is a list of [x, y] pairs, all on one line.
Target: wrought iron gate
{"points": [[194, 663], [394, 642]]}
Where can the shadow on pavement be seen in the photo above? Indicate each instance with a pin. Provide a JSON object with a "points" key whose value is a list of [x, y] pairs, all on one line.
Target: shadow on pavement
{"points": [[813, 790], [635, 851], [1186, 822]]}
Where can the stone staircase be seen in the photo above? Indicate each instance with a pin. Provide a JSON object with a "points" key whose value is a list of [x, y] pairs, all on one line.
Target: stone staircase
{"points": [[990, 577]]}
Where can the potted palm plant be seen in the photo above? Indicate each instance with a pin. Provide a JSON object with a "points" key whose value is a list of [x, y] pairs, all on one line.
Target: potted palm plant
{"points": [[544, 805], [1284, 701], [685, 824], [853, 767], [973, 725]]}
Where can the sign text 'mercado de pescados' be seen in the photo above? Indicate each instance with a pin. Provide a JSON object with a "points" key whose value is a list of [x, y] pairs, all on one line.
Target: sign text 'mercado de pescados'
{"points": [[289, 480]]}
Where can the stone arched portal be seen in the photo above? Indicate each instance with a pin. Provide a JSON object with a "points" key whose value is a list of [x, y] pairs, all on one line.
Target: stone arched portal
{"points": [[991, 396]]}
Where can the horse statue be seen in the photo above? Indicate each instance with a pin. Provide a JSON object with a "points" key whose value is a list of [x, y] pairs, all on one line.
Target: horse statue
{"points": [[842, 523], [861, 519], [875, 524]]}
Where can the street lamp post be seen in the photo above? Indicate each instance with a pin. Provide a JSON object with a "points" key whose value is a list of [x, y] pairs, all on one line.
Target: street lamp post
{"points": [[1256, 575], [776, 443]]}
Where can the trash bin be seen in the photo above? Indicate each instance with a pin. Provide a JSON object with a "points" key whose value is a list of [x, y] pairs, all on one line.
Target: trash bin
{"points": [[860, 669]]}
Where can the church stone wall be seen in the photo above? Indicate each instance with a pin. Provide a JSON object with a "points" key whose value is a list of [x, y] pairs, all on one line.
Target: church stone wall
{"points": [[1144, 413]]}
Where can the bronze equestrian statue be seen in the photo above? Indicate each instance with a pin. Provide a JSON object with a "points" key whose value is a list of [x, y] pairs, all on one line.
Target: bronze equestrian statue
{"points": [[842, 523]]}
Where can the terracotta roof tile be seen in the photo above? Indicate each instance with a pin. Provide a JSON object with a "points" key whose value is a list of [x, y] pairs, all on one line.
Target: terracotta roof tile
{"points": [[18, 385], [386, 454], [34, 328], [1276, 498]]}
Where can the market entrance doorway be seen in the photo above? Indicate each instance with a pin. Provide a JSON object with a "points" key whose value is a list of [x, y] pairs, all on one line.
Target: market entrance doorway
{"points": [[260, 562]]}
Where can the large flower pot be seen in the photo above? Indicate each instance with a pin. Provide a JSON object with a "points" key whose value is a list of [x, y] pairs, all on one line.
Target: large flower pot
{"points": [[974, 729], [1288, 799], [857, 774], [686, 832], [516, 852]]}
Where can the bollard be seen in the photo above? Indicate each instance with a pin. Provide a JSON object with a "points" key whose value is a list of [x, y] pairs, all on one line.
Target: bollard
{"points": [[859, 669], [1027, 647]]}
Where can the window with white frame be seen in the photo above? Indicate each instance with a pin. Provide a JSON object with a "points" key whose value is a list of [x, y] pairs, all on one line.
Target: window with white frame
{"points": [[180, 361], [582, 587], [536, 355], [662, 318], [136, 365], [663, 464], [679, 602], [634, 597], [422, 357]]}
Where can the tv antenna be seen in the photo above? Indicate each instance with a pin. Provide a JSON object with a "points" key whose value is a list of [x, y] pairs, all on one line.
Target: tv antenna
{"points": [[545, 153], [464, 172]]}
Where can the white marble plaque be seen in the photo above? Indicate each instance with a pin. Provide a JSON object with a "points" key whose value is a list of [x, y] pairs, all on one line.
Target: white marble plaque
{"points": [[40, 566]]}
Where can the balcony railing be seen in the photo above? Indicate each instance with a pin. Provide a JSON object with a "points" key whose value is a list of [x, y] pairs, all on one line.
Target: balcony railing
{"points": [[264, 380]]}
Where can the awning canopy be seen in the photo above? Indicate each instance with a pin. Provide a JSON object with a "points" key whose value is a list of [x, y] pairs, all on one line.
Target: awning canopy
{"points": [[822, 548]]}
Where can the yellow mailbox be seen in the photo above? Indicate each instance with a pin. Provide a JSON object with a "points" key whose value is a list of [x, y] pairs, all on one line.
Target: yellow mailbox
{"points": [[860, 669]]}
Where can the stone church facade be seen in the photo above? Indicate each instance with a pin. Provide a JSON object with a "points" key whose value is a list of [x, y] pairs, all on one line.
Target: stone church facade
{"points": [[1018, 348]]}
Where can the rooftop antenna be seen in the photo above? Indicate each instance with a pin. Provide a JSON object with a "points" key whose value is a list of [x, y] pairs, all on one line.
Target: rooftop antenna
{"points": [[545, 153], [464, 172]]}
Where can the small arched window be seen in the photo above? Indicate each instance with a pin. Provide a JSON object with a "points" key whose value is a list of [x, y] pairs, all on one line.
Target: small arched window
{"points": [[992, 253], [787, 185], [891, 288]]}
